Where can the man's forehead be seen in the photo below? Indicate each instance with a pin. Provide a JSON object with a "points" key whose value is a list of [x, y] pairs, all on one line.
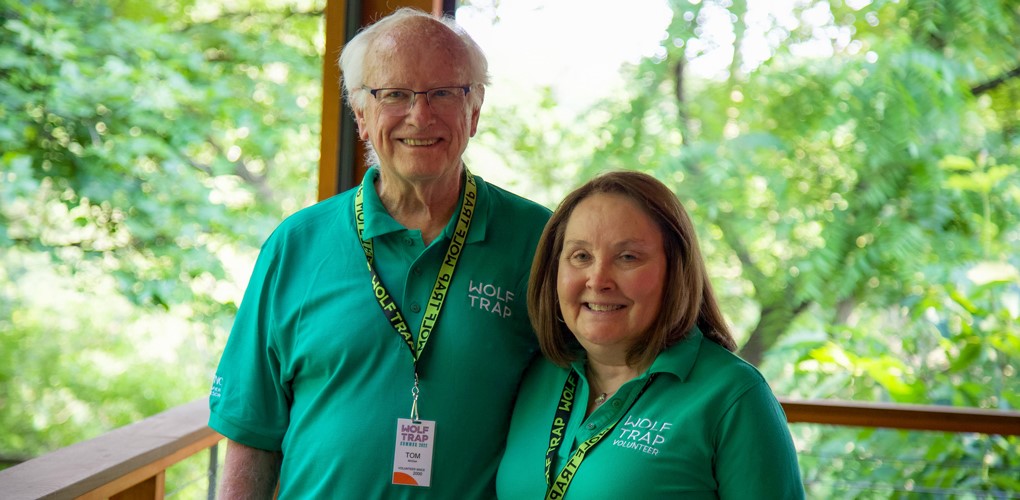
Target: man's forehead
{"points": [[406, 50], [418, 35]]}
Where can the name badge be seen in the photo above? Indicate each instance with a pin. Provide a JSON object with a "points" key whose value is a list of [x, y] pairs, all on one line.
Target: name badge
{"points": [[412, 458]]}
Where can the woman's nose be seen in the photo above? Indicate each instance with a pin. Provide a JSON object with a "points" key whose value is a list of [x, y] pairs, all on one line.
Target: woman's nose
{"points": [[600, 277]]}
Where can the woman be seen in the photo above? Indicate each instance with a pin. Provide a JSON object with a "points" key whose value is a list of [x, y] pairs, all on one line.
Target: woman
{"points": [[639, 394]]}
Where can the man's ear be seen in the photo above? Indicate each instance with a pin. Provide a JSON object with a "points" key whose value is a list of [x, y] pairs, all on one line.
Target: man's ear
{"points": [[477, 111], [474, 121], [359, 118]]}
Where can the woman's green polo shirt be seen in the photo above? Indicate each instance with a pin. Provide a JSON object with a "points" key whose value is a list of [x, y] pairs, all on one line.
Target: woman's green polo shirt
{"points": [[706, 426], [313, 368]]}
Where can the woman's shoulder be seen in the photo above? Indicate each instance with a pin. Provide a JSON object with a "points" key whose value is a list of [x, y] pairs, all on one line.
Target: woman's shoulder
{"points": [[543, 375], [541, 368], [717, 362]]}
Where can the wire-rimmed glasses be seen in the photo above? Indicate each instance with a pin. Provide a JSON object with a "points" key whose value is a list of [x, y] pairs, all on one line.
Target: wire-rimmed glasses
{"points": [[398, 102]]}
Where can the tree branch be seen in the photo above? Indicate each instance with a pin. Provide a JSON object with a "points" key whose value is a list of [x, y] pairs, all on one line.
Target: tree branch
{"points": [[241, 170], [981, 88]]}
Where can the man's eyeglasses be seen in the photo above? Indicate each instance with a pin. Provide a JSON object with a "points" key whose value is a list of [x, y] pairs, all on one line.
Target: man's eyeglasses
{"points": [[398, 102]]}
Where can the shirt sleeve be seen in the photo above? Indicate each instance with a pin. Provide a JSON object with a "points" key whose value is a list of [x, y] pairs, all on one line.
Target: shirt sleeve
{"points": [[249, 401], [755, 454]]}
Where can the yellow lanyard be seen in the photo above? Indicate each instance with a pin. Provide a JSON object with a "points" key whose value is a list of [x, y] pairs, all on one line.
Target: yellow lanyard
{"points": [[555, 490], [442, 285]]}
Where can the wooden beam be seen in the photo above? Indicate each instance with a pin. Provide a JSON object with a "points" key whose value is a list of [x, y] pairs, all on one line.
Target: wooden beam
{"points": [[898, 416], [153, 488], [329, 142]]}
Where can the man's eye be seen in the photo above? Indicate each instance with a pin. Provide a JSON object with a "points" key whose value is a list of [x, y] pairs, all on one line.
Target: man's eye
{"points": [[395, 95]]}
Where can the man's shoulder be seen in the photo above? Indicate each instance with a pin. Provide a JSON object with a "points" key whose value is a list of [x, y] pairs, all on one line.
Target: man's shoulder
{"points": [[330, 208], [325, 216], [504, 200]]}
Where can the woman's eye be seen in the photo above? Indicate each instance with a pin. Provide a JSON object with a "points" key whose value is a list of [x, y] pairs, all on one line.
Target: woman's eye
{"points": [[579, 257]]}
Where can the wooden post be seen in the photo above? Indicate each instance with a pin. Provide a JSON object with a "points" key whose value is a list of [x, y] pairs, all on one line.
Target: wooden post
{"points": [[153, 488]]}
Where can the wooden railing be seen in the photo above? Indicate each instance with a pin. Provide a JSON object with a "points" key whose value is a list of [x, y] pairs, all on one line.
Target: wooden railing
{"points": [[126, 463], [898, 416], [130, 462]]}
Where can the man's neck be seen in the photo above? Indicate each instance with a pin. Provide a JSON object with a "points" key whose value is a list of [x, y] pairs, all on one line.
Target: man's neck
{"points": [[425, 206]]}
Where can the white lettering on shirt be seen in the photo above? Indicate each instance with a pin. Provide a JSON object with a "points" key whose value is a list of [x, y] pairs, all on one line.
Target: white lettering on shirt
{"points": [[642, 434], [490, 298]]}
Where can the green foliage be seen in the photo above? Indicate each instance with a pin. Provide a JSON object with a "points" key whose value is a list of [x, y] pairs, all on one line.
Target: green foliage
{"points": [[820, 183], [859, 207], [955, 343], [884, 464], [148, 149]]}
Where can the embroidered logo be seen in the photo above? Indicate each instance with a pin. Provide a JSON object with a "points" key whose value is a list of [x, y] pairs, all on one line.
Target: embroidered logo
{"points": [[490, 298], [642, 434], [217, 387]]}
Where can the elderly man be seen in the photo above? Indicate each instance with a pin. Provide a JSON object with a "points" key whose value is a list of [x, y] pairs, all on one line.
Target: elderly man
{"points": [[379, 344]]}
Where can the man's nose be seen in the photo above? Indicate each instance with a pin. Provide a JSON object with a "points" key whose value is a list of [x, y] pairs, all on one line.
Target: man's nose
{"points": [[420, 110]]}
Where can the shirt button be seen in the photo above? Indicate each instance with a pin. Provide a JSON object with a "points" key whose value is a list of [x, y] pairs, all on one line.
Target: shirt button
{"points": [[617, 403], [416, 271], [415, 308], [591, 426], [408, 241]]}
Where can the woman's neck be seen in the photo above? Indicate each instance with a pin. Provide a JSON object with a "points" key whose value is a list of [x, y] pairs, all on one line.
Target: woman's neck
{"points": [[604, 379]]}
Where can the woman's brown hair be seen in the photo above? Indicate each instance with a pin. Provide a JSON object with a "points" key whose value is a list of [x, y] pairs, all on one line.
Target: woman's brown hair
{"points": [[687, 300]]}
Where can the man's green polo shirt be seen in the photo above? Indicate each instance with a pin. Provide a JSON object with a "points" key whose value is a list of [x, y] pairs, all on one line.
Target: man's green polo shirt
{"points": [[313, 368], [707, 426]]}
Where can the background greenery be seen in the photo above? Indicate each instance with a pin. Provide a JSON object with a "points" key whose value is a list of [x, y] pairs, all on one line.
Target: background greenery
{"points": [[860, 207], [148, 147]]}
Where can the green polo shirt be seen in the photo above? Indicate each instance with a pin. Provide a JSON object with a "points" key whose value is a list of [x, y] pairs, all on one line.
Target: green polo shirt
{"points": [[706, 426], [313, 368]]}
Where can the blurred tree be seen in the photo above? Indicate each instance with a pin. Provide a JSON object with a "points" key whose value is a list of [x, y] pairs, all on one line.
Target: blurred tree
{"points": [[852, 169], [148, 147], [846, 156], [857, 195]]}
